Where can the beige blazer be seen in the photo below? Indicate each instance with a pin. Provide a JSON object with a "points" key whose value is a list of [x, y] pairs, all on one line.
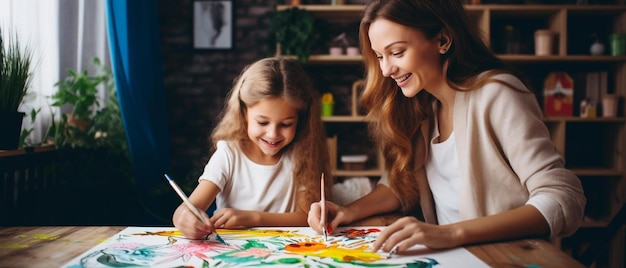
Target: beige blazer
{"points": [[506, 157]]}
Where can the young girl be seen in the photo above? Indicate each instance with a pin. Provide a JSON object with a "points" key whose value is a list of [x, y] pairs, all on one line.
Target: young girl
{"points": [[270, 153], [463, 137]]}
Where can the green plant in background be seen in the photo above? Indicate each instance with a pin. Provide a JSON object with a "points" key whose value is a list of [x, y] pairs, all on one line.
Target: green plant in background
{"points": [[87, 126], [98, 132], [93, 142], [15, 78], [15, 63], [79, 91], [95, 134], [27, 131], [293, 31], [108, 127]]}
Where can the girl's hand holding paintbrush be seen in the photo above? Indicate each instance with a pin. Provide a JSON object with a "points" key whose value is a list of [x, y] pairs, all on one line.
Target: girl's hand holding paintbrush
{"points": [[191, 221], [192, 226]]}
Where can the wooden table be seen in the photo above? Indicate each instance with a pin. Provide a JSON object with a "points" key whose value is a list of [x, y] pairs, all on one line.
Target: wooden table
{"points": [[54, 246]]}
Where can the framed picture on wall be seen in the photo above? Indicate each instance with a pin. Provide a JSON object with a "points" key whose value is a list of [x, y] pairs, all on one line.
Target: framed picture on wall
{"points": [[213, 25]]}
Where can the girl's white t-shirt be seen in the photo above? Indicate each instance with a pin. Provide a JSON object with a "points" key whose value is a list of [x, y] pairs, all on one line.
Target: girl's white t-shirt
{"points": [[247, 185]]}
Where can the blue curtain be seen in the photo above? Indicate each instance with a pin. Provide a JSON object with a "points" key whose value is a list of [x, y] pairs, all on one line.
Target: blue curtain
{"points": [[133, 32]]}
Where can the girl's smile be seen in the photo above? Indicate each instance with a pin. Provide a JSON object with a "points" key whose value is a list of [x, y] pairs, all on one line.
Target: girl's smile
{"points": [[271, 127]]}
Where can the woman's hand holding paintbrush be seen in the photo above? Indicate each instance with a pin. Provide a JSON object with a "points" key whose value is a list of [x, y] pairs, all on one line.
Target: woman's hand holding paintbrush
{"points": [[324, 216], [323, 210]]}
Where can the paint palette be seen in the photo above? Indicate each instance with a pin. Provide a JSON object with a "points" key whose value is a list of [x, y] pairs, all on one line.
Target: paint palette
{"points": [[272, 247]]}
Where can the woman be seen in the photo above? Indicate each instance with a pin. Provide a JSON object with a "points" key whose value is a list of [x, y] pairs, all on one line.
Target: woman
{"points": [[462, 136]]}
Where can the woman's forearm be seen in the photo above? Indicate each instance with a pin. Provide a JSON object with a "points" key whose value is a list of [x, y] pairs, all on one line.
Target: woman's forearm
{"points": [[282, 219], [525, 221], [380, 201]]}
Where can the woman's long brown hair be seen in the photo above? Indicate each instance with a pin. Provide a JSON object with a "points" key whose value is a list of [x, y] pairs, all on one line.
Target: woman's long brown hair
{"points": [[396, 119]]}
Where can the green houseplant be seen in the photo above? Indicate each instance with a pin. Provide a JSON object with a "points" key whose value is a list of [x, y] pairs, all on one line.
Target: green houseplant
{"points": [[91, 159], [15, 78], [92, 140], [293, 32], [87, 126]]}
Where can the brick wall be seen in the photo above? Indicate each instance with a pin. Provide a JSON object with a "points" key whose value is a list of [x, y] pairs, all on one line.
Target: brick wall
{"points": [[196, 81]]}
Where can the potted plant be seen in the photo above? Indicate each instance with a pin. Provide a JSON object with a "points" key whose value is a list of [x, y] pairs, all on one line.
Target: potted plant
{"points": [[15, 78], [79, 91], [293, 31], [89, 126], [90, 137]]}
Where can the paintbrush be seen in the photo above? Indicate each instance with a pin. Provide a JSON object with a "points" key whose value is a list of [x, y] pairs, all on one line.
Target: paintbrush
{"points": [[182, 195], [392, 252], [323, 208]]}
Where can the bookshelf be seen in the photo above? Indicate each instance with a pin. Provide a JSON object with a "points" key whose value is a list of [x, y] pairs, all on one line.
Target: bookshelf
{"points": [[594, 148]]}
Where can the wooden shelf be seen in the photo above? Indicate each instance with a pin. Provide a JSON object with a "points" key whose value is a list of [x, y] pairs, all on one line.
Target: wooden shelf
{"points": [[330, 59], [619, 120], [346, 12], [513, 9], [344, 119], [353, 12], [520, 58], [513, 58], [358, 173], [21, 151], [603, 170]]}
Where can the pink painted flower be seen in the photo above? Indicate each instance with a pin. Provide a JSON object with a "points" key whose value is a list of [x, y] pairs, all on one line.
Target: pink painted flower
{"points": [[253, 252]]}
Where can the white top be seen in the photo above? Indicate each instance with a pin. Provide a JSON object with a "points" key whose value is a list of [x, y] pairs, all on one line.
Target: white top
{"points": [[250, 186], [444, 176]]}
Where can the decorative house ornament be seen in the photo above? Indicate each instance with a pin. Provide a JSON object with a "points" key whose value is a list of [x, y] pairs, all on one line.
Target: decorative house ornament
{"points": [[558, 94]]}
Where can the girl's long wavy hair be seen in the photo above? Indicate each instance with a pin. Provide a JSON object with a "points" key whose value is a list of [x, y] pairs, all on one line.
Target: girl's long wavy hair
{"points": [[278, 77], [396, 119]]}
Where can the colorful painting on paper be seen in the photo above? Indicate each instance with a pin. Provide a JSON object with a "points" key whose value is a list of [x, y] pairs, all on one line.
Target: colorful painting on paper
{"points": [[268, 247]]}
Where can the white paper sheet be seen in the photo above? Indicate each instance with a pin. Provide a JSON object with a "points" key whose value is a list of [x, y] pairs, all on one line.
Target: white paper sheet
{"points": [[270, 247]]}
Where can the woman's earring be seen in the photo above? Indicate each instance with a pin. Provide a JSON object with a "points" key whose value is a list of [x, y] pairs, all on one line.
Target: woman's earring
{"points": [[443, 51]]}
